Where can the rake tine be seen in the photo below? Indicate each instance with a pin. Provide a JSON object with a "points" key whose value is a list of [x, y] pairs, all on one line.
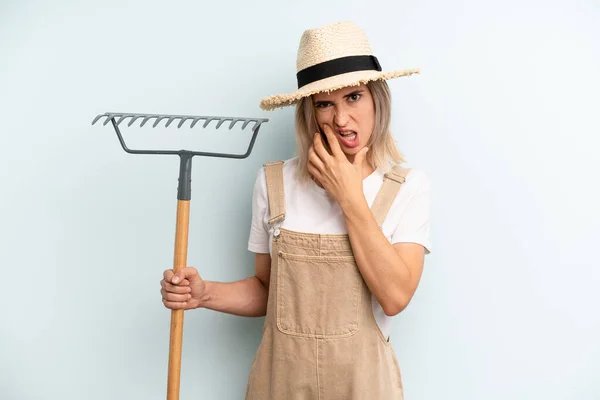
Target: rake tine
{"points": [[133, 119], [234, 122], [183, 119], [208, 121], [97, 118], [122, 118], [169, 121], [195, 121], [146, 119], [221, 122], [158, 120], [246, 123]]}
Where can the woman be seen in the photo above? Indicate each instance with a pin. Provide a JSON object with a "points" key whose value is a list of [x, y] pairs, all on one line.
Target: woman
{"points": [[339, 235]]}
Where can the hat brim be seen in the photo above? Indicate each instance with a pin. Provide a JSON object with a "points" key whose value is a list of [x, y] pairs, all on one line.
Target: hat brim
{"points": [[330, 84]]}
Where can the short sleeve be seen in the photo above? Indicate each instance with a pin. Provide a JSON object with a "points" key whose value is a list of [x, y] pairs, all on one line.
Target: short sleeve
{"points": [[258, 241], [414, 222]]}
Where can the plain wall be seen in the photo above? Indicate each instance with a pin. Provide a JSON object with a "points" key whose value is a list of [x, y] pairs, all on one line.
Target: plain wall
{"points": [[503, 118]]}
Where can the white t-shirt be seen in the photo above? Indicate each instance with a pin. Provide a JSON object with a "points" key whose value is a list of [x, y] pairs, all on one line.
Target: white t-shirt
{"points": [[310, 209]]}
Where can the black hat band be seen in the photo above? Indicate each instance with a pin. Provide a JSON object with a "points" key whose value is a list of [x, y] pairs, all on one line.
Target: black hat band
{"points": [[335, 67]]}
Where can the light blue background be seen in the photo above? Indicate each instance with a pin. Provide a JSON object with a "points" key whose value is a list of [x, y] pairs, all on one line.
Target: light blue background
{"points": [[503, 118]]}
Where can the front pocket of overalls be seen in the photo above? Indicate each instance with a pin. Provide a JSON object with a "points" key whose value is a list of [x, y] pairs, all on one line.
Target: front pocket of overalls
{"points": [[318, 296]]}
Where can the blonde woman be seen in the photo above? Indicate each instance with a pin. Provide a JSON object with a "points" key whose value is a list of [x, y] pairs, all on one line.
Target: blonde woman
{"points": [[339, 233]]}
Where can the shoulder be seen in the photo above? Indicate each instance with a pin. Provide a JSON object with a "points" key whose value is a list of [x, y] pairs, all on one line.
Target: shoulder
{"points": [[290, 166], [416, 180], [412, 203], [416, 188]]}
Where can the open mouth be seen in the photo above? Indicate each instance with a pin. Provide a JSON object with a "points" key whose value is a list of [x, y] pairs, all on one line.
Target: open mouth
{"points": [[349, 138]]}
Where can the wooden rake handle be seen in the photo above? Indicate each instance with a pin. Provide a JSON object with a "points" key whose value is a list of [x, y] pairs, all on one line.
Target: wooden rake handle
{"points": [[176, 339]]}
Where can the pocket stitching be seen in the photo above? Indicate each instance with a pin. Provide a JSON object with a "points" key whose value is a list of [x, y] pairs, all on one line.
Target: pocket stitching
{"points": [[280, 306]]}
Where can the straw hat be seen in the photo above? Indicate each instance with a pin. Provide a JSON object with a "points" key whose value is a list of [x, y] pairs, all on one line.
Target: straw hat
{"points": [[332, 57]]}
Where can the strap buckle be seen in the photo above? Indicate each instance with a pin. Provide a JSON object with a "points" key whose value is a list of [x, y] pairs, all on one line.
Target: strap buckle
{"points": [[277, 219], [393, 175]]}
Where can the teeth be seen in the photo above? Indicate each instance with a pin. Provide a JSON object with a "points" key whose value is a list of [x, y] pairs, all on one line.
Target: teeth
{"points": [[349, 133]]}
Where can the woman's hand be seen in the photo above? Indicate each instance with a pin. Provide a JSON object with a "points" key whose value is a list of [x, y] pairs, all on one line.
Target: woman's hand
{"points": [[183, 289], [341, 178]]}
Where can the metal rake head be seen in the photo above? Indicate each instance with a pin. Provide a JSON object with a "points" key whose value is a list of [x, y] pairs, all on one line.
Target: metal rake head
{"points": [[117, 118]]}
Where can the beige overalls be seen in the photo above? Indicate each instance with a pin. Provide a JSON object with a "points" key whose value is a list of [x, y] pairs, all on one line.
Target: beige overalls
{"points": [[320, 338]]}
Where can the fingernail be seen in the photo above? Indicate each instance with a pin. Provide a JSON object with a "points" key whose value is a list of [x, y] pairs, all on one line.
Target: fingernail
{"points": [[175, 279]]}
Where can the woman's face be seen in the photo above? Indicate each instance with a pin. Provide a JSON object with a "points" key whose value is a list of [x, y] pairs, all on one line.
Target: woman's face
{"points": [[350, 112]]}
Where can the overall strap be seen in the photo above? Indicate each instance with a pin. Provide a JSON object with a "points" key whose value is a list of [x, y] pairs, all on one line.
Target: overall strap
{"points": [[274, 175], [387, 193]]}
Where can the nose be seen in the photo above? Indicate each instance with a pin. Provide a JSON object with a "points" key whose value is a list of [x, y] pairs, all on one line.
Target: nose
{"points": [[340, 117]]}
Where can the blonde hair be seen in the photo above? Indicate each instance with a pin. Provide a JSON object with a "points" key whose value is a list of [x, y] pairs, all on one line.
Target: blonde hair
{"points": [[383, 152]]}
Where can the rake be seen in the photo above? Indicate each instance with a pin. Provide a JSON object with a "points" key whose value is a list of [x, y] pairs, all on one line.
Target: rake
{"points": [[183, 204]]}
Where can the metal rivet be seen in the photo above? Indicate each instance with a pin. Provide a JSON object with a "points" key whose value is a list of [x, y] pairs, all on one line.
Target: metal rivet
{"points": [[276, 233]]}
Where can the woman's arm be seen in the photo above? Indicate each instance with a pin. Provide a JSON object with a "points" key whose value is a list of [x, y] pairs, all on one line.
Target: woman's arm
{"points": [[247, 297], [392, 272]]}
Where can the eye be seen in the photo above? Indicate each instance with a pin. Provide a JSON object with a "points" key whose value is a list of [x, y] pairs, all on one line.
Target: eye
{"points": [[322, 104], [354, 97]]}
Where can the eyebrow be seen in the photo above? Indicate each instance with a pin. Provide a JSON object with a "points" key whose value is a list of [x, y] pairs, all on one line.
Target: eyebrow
{"points": [[359, 91]]}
